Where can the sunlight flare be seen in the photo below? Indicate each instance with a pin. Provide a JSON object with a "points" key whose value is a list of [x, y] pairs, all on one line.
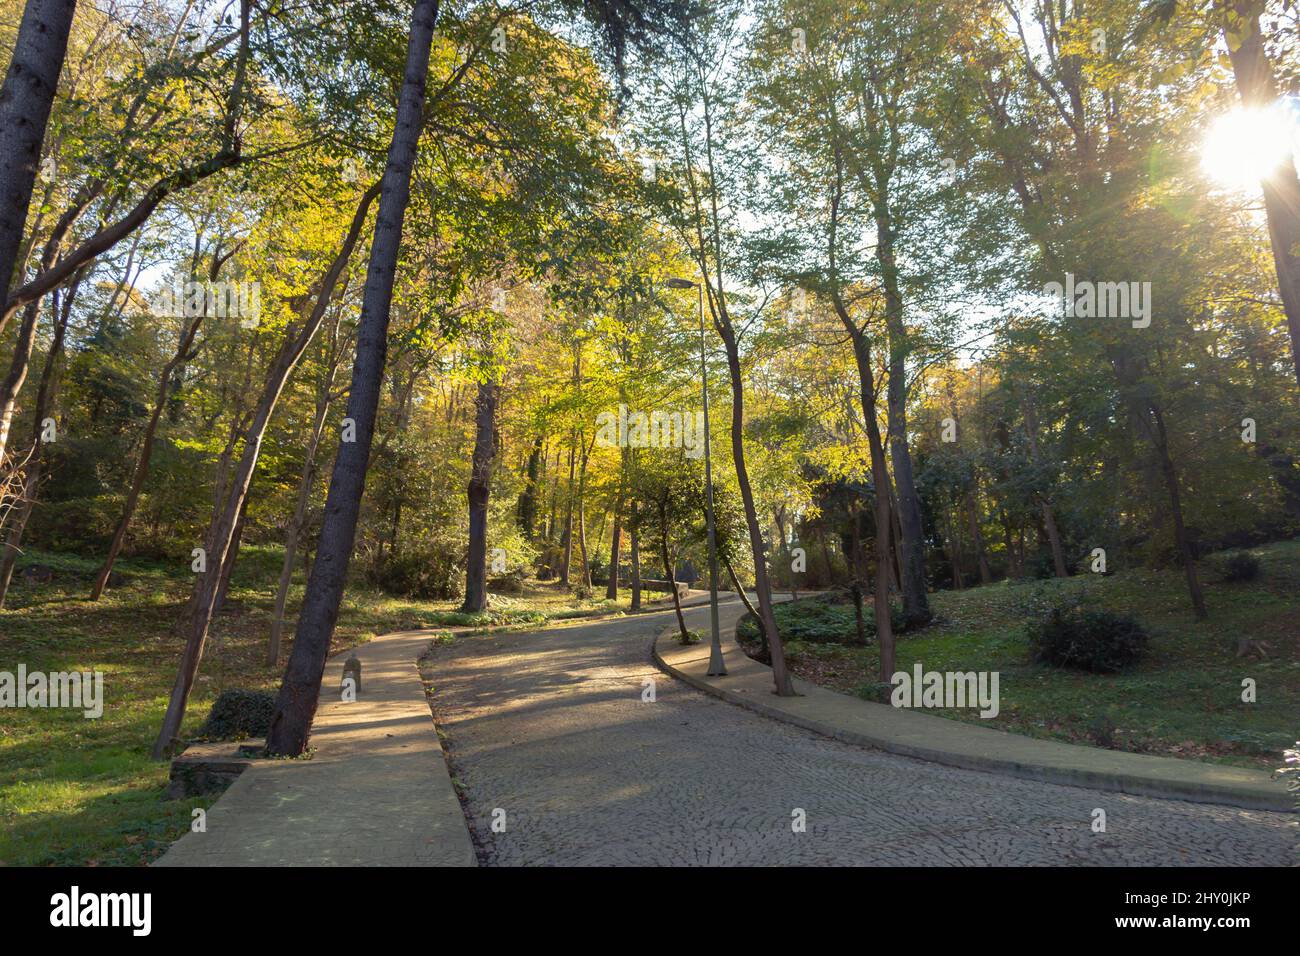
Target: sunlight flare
{"points": [[1246, 146]]}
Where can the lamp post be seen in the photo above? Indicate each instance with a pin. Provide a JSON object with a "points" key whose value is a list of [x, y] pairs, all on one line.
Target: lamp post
{"points": [[716, 666]]}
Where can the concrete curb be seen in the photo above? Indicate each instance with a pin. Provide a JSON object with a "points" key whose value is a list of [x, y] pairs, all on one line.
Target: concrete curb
{"points": [[749, 684]]}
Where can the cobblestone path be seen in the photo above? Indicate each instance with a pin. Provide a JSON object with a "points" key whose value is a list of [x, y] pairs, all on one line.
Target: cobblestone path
{"points": [[551, 728]]}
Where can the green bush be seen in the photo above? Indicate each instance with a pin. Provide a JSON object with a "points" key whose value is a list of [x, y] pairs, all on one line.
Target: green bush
{"points": [[825, 619], [1094, 640], [512, 582], [880, 692], [81, 525], [238, 714], [428, 574], [1239, 566]]}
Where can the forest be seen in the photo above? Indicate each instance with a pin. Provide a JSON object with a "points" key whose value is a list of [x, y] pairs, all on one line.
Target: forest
{"points": [[310, 307]]}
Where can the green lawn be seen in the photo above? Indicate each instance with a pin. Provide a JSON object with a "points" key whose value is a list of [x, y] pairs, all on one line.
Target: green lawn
{"points": [[1183, 701], [84, 792]]}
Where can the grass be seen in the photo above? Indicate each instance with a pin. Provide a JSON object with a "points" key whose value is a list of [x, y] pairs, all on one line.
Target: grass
{"points": [[1184, 700], [85, 792]]}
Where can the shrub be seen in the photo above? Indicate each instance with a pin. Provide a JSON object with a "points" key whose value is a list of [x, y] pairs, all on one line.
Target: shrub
{"points": [[512, 582], [1042, 566], [75, 525], [747, 627], [237, 714], [821, 620], [1087, 639], [430, 573], [1239, 566], [880, 692]]}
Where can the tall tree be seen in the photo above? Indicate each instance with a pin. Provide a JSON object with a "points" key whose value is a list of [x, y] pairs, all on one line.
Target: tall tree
{"points": [[296, 704], [690, 111], [25, 102]]}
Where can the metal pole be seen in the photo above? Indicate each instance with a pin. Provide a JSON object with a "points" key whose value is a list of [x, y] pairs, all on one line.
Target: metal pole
{"points": [[716, 666]]}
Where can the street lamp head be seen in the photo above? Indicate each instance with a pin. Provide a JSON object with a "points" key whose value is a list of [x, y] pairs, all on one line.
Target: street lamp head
{"points": [[681, 284]]}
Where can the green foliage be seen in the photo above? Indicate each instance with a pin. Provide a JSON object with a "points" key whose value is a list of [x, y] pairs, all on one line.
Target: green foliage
{"points": [[430, 572], [237, 714], [1090, 639], [825, 619], [512, 582], [1239, 566]]}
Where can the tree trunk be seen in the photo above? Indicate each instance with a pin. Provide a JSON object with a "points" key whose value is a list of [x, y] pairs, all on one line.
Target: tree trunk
{"points": [[859, 621], [762, 583], [300, 689], [897, 538], [232, 555], [480, 487], [710, 260], [1013, 559], [977, 539], [826, 556], [880, 481], [600, 531], [1181, 538], [297, 521], [916, 604], [1054, 539], [857, 571], [616, 540], [566, 541], [611, 588], [527, 511], [585, 577], [25, 102], [954, 553], [635, 547], [555, 497], [18, 366], [668, 573], [744, 598], [1049, 518]]}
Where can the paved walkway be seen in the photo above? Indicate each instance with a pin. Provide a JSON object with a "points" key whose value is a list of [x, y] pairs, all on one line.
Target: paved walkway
{"points": [[551, 738], [375, 793]]}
